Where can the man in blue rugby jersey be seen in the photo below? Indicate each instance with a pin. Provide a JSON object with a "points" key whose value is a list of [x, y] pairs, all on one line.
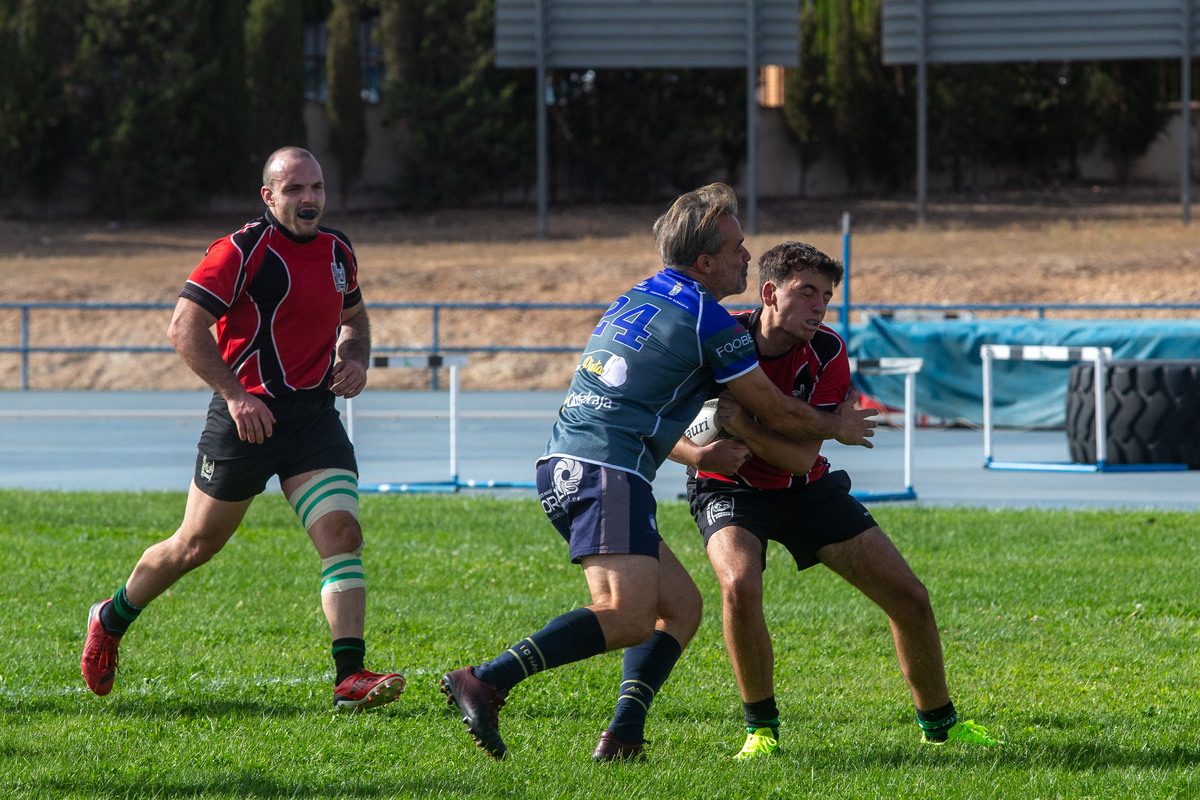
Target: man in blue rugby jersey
{"points": [[643, 376]]}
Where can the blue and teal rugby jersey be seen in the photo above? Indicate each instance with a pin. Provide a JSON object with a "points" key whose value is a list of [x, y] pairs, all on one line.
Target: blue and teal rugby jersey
{"points": [[646, 371]]}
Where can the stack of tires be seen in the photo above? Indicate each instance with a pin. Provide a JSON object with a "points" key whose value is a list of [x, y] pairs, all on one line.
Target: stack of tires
{"points": [[1152, 410]]}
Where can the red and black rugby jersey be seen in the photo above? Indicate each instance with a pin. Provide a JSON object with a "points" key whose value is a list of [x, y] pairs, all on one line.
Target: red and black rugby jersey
{"points": [[278, 303], [817, 372]]}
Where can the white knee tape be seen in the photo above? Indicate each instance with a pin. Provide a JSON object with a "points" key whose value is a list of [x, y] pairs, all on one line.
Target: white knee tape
{"points": [[327, 491], [342, 572]]}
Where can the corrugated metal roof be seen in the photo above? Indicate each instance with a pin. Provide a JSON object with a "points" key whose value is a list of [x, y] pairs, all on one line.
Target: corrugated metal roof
{"points": [[596, 34], [981, 31]]}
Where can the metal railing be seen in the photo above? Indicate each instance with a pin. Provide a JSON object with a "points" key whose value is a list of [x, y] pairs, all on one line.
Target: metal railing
{"points": [[25, 348]]}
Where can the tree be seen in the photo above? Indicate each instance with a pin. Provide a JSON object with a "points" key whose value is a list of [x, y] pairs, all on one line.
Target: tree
{"points": [[274, 78], [464, 130], [347, 119], [37, 135], [154, 103], [806, 104], [1130, 110], [626, 134], [845, 100]]}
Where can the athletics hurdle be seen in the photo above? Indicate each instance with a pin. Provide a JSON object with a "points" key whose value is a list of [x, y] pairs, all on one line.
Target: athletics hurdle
{"points": [[908, 367], [453, 362], [1099, 356]]}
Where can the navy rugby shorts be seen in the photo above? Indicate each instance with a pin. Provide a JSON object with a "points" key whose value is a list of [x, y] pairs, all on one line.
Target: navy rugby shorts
{"points": [[598, 510], [308, 435], [803, 518]]}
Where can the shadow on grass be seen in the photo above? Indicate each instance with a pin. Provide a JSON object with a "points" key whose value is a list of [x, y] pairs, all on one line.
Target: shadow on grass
{"points": [[400, 782], [1060, 757], [175, 707]]}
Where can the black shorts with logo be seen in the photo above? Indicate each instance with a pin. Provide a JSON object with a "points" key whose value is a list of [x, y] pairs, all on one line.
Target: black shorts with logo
{"points": [[802, 518], [307, 435]]}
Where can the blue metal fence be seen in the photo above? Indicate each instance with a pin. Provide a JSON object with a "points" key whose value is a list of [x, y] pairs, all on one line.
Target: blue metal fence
{"points": [[25, 347]]}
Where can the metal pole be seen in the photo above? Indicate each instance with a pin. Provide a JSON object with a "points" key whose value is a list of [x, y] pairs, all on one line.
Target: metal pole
{"points": [[751, 116], [922, 102], [433, 375], [987, 405], [540, 25], [846, 277], [454, 424], [1099, 368], [910, 422], [24, 348], [1185, 115]]}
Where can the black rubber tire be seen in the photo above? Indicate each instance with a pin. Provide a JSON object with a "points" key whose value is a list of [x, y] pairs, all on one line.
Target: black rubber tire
{"points": [[1152, 408]]}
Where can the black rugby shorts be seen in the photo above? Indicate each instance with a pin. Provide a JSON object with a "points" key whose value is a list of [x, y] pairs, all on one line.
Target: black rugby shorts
{"points": [[803, 518], [308, 435]]}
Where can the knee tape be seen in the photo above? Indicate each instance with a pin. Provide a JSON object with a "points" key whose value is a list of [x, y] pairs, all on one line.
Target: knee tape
{"points": [[328, 491], [342, 572]]}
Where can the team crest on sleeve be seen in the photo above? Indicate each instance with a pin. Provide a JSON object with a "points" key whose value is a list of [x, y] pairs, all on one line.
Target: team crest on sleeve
{"points": [[566, 475], [339, 276]]}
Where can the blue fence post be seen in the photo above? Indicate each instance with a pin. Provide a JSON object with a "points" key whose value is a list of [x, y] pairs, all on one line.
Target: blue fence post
{"points": [[24, 348], [433, 376], [846, 278]]}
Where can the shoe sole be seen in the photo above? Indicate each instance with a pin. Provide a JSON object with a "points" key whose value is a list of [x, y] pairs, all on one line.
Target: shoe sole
{"points": [[380, 695], [496, 749]]}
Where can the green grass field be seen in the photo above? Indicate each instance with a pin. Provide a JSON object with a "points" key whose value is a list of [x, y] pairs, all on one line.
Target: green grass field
{"points": [[1074, 636]]}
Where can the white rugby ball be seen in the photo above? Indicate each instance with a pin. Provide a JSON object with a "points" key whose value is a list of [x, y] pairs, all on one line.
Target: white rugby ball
{"points": [[705, 428]]}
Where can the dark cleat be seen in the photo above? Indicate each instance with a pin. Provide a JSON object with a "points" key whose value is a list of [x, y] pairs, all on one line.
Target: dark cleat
{"points": [[480, 704], [610, 748]]}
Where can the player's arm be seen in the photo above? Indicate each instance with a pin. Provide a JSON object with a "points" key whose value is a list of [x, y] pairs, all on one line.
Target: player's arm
{"points": [[190, 333], [720, 456], [797, 456], [796, 418], [349, 376]]}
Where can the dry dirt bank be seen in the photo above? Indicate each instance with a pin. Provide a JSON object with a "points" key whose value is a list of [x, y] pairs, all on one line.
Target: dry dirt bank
{"points": [[1058, 247]]}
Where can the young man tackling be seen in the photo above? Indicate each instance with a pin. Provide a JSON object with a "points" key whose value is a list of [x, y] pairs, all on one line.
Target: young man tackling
{"points": [[763, 485]]}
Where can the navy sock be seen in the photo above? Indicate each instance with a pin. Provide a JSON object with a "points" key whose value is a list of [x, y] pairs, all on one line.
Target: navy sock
{"points": [[936, 724], [568, 637], [117, 616], [348, 654], [762, 714], [645, 671]]}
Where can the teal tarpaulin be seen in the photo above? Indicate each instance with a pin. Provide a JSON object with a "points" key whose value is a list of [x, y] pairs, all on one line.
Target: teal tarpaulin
{"points": [[1025, 394]]}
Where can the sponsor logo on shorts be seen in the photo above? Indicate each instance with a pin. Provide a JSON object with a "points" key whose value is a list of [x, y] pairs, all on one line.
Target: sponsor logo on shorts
{"points": [[611, 369], [743, 342], [206, 468], [566, 474], [590, 399], [718, 510], [339, 276], [550, 505]]}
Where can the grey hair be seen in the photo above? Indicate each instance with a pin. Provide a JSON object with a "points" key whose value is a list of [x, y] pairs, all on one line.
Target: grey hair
{"points": [[689, 227]]}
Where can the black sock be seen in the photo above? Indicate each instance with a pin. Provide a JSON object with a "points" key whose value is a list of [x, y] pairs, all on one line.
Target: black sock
{"points": [[936, 724], [645, 670], [117, 616], [569, 637], [348, 656], [762, 714]]}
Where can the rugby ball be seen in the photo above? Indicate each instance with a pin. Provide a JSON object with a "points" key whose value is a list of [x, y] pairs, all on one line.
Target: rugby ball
{"points": [[705, 428]]}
